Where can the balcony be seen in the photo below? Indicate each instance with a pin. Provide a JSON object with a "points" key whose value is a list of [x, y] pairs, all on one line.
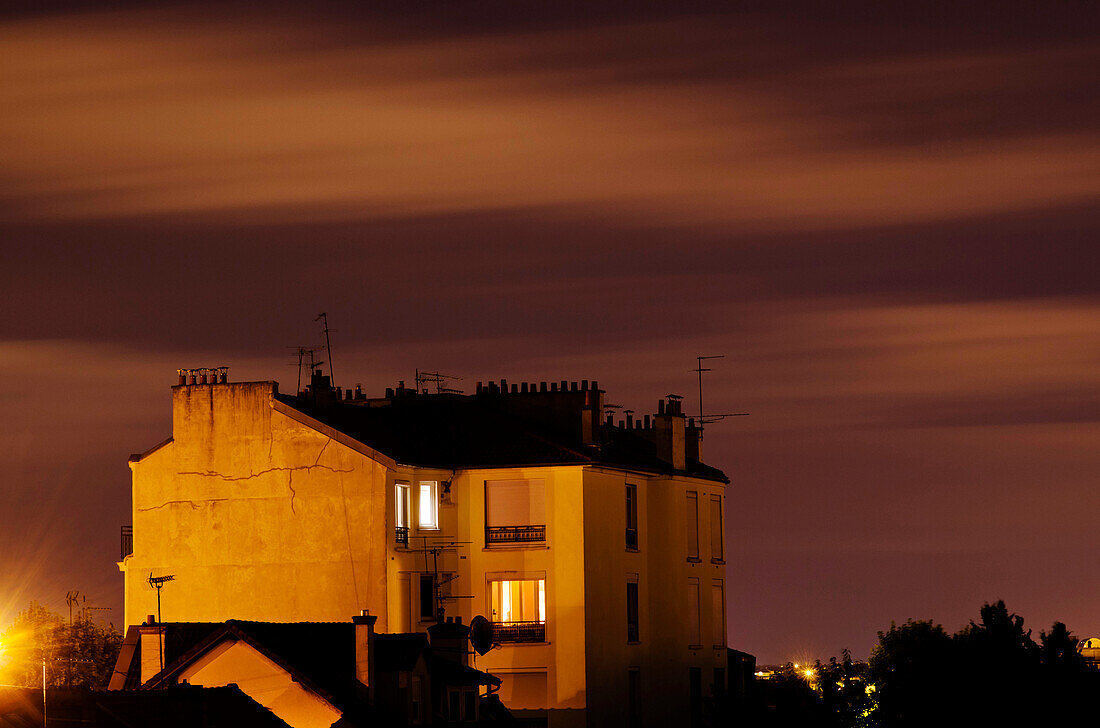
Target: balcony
{"points": [[632, 539], [504, 632], [514, 534], [401, 535], [127, 545]]}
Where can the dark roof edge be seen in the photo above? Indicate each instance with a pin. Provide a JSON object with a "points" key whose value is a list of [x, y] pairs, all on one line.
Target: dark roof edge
{"points": [[331, 432], [137, 457]]}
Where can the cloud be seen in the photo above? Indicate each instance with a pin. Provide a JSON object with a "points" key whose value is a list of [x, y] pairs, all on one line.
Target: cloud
{"points": [[154, 112]]}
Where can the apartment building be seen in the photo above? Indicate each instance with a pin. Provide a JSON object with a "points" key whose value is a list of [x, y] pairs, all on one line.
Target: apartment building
{"points": [[593, 547]]}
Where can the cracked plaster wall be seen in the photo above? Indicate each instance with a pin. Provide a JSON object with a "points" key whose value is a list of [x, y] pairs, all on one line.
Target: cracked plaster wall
{"points": [[258, 516]]}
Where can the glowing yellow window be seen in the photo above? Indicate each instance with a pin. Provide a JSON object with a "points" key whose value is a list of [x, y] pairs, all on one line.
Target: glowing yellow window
{"points": [[519, 610]]}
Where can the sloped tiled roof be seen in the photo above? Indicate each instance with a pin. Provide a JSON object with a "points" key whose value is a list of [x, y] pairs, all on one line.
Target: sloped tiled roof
{"points": [[454, 431]]}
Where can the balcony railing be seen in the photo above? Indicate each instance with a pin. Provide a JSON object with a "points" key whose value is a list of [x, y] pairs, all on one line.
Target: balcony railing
{"points": [[127, 545], [632, 538], [519, 632], [514, 534], [401, 535]]}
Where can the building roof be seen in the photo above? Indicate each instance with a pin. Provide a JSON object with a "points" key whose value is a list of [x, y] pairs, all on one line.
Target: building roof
{"points": [[459, 432], [319, 655]]}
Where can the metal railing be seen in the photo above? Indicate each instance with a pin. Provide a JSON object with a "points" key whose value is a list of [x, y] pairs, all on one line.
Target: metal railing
{"points": [[519, 631], [401, 535], [127, 545], [514, 534], [632, 538]]}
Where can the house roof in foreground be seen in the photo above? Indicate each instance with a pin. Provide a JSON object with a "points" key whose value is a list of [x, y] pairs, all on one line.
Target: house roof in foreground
{"points": [[319, 655]]}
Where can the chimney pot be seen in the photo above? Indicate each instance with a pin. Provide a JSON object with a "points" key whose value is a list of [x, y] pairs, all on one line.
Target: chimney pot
{"points": [[660, 406], [477, 390], [542, 386], [151, 619], [553, 386], [646, 419], [504, 386], [595, 385], [525, 387], [584, 385], [564, 386], [515, 388]]}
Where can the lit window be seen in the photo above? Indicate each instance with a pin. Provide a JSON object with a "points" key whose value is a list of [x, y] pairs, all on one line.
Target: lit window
{"points": [[515, 511], [401, 513], [429, 504], [519, 610], [693, 524]]}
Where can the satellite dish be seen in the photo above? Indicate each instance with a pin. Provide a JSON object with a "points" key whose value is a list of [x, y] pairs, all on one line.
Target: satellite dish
{"points": [[481, 635]]}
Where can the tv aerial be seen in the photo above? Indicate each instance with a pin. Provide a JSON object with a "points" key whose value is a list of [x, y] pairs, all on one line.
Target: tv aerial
{"points": [[158, 582], [705, 419]]}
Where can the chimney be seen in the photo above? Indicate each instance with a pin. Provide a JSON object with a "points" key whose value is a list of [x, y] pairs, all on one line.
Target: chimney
{"points": [[364, 651], [693, 439], [450, 641], [152, 646], [669, 434]]}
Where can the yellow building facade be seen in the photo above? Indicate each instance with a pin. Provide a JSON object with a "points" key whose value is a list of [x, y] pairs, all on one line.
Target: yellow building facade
{"points": [[595, 550]]}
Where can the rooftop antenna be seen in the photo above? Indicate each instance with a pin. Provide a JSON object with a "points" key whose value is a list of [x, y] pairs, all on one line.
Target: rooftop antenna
{"points": [[439, 380], [303, 352], [157, 582], [323, 317], [707, 419]]}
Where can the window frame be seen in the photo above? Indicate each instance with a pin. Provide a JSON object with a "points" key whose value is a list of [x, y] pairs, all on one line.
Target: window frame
{"points": [[631, 534], [433, 501], [401, 497], [633, 612], [513, 631], [691, 512], [717, 530]]}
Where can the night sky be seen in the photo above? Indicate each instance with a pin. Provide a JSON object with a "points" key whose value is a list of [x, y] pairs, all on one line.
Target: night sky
{"points": [[885, 219]]}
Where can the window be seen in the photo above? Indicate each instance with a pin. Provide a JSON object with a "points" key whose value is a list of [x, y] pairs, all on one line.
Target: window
{"points": [[716, 536], [631, 516], [427, 597], [462, 704], [429, 504], [632, 634], [694, 638], [515, 511], [693, 524], [718, 612], [518, 610], [416, 700], [695, 696], [401, 513], [633, 697]]}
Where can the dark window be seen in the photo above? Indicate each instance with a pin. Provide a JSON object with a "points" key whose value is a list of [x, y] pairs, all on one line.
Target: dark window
{"points": [[719, 682], [631, 516], [469, 698], [634, 697], [453, 705], [695, 694], [632, 611], [427, 597]]}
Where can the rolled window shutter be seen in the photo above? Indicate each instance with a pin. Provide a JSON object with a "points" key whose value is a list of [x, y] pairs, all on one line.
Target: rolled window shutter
{"points": [[514, 503]]}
